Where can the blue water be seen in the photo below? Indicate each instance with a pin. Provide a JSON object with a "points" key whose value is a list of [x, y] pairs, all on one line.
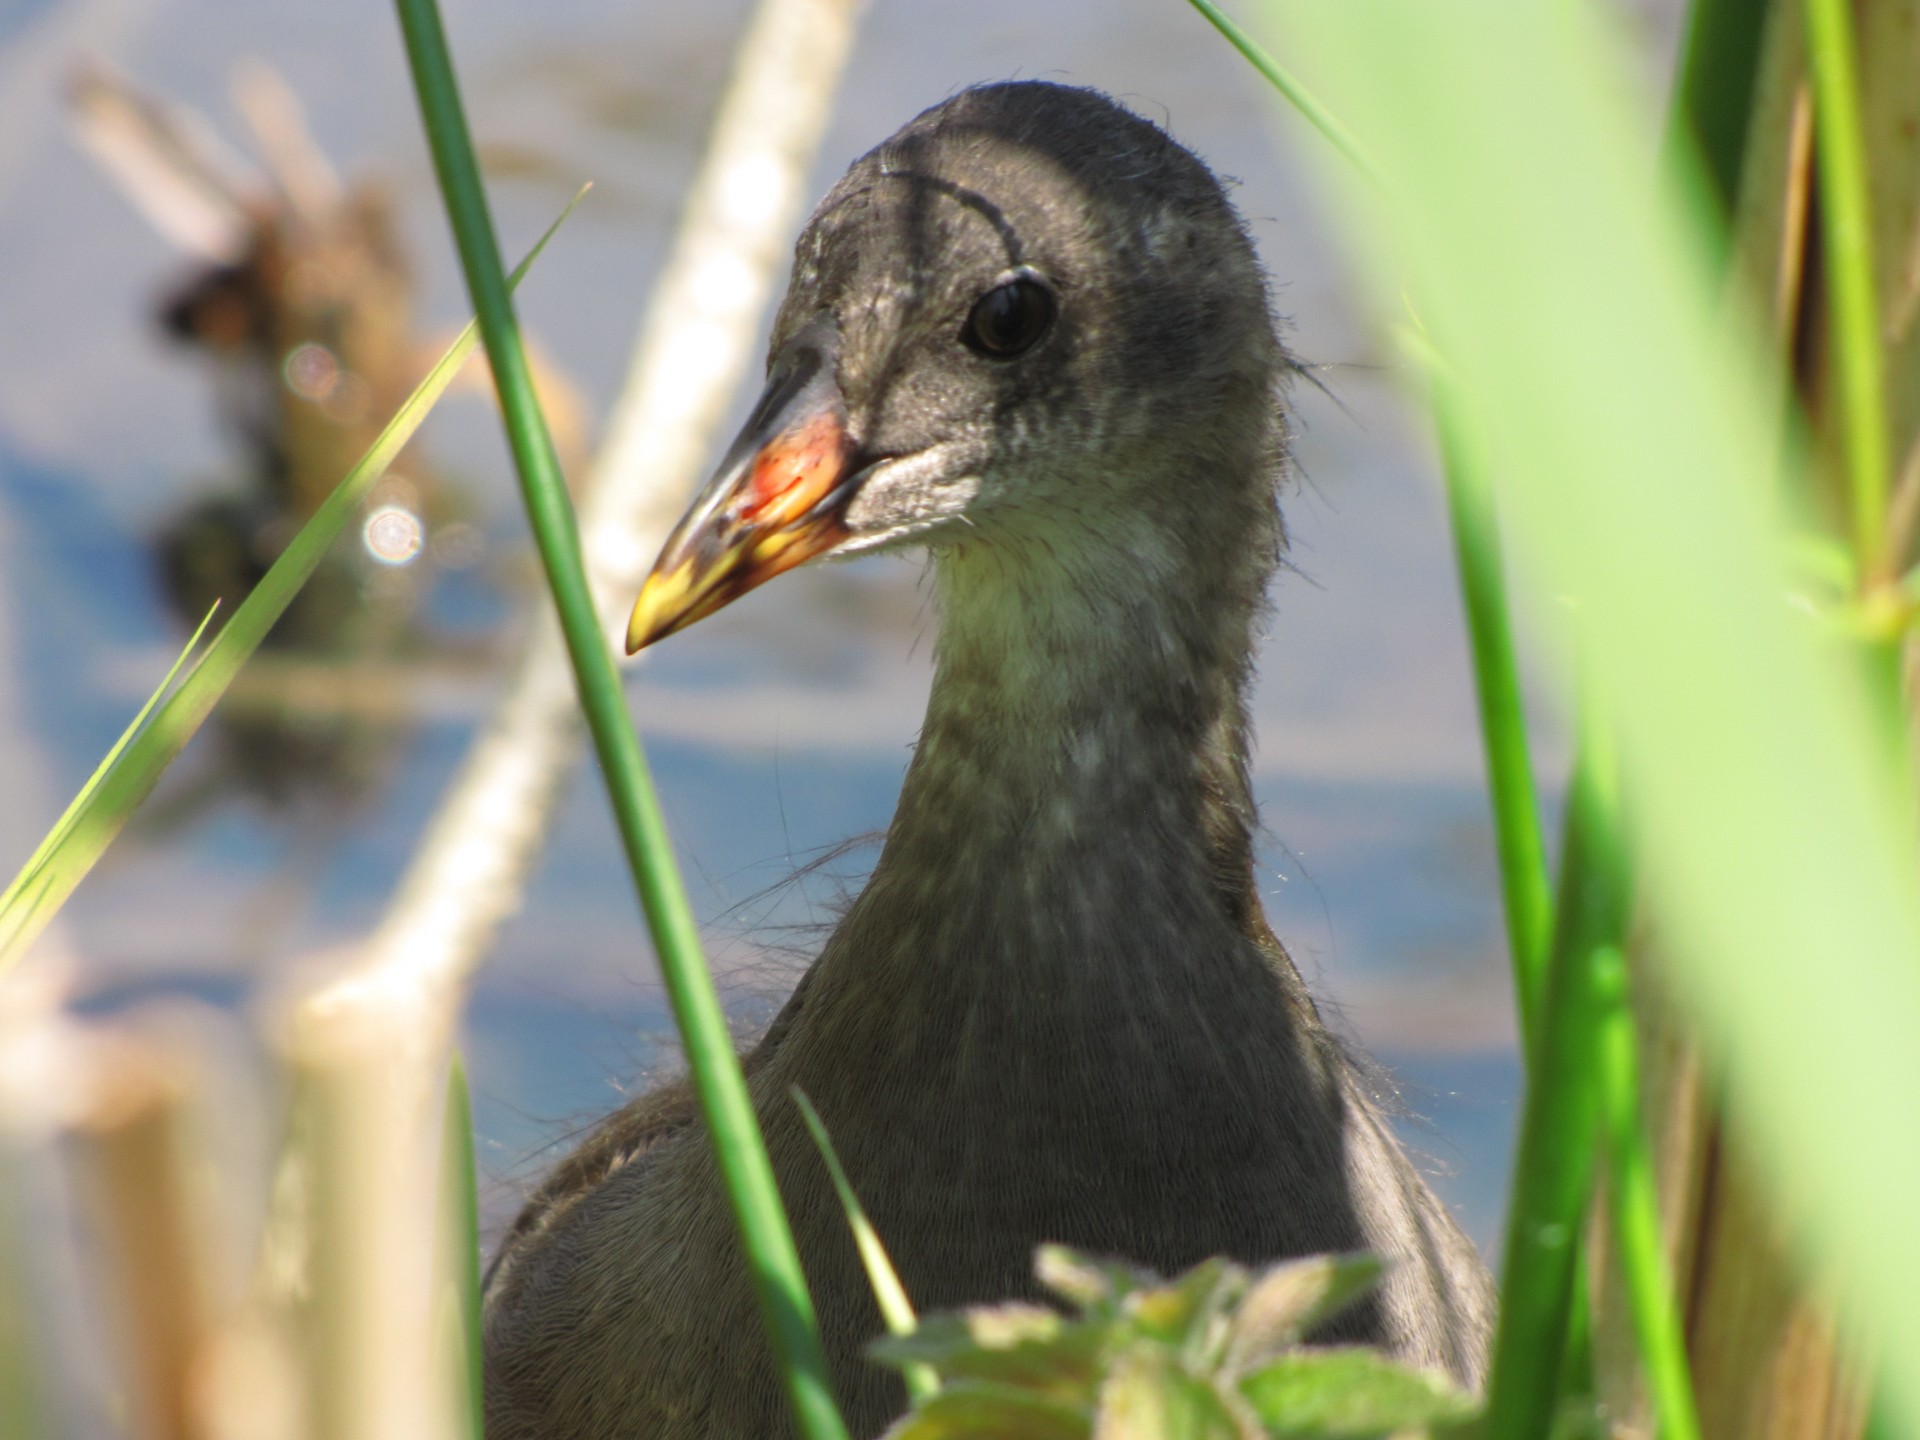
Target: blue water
{"points": [[780, 728]]}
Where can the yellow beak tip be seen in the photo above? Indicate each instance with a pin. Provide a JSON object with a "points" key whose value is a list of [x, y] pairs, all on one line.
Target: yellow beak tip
{"points": [[662, 607]]}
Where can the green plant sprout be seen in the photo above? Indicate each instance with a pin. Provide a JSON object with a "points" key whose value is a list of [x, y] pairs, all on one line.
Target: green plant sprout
{"points": [[1214, 1354]]}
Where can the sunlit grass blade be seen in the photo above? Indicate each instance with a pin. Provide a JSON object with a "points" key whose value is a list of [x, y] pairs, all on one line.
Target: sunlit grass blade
{"points": [[1525, 889], [1276, 75], [23, 895], [1554, 1167], [1847, 231], [136, 765], [1575, 293], [772, 1259], [896, 1310], [1633, 1204], [460, 1222]]}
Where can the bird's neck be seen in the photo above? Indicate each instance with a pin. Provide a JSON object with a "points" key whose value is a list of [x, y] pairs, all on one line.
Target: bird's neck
{"points": [[1082, 765]]}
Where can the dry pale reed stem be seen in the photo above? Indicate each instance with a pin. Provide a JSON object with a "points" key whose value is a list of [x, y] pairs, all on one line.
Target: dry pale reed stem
{"points": [[133, 1166], [470, 872], [350, 1247], [361, 1268]]}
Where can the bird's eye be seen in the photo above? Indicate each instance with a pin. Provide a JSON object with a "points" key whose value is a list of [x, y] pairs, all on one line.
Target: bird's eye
{"points": [[1009, 319]]}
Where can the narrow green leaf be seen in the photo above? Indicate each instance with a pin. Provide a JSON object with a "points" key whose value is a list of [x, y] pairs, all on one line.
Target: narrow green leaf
{"points": [[1554, 1167], [773, 1262], [1634, 1205], [1524, 887], [460, 1221], [1847, 229], [36, 862], [1713, 92], [113, 794], [1276, 75], [891, 1296]]}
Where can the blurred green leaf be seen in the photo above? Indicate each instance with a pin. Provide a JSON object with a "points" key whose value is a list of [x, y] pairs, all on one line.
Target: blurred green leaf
{"points": [[1147, 1359], [1149, 1395], [1288, 1300], [1350, 1395], [1187, 1311], [1017, 1345], [978, 1411], [1094, 1286], [1518, 198]]}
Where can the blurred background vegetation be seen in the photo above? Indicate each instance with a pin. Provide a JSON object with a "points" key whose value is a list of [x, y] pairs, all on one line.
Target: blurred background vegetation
{"points": [[192, 369]]}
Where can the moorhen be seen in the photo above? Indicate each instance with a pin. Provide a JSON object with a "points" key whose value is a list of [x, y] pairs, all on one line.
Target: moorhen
{"points": [[1030, 334]]}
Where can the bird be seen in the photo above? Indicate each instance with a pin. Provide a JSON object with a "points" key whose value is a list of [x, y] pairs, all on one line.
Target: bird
{"points": [[1029, 335]]}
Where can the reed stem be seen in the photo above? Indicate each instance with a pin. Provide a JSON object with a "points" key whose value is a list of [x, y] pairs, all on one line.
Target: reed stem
{"points": [[772, 1259], [1633, 1202], [1847, 230], [1524, 887], [1554, 1169]]}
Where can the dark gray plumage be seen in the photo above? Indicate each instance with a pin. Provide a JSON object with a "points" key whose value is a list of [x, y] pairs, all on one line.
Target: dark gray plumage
{"points": [[1056, 1012]]}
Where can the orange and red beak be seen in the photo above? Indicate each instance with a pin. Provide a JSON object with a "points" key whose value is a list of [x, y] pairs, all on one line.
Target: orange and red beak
{"points": [[777, 499]]}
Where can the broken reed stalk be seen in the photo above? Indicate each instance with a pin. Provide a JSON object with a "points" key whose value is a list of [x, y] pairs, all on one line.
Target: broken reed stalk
{"points": [[133, 1167], [359, 1185]]}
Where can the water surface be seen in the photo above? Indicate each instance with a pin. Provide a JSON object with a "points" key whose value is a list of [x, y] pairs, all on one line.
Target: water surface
{"points": [[780, 728]]}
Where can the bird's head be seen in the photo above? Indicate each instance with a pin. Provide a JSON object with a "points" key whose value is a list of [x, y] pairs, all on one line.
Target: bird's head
{"points": [[1030, 309]]}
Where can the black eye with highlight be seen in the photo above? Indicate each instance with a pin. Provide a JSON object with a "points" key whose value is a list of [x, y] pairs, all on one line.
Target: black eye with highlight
{"points": [[1009, 319]]}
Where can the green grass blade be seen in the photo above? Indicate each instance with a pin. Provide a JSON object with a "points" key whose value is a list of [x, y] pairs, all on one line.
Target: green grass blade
{"points": [[1847, 230], [1297, 95], [1714, 89], [1554, 1168], [1634, 1205], [460, 1217], [111, 796], [772, 1259], [24, 882], [888, 1293], [1524, 887]]}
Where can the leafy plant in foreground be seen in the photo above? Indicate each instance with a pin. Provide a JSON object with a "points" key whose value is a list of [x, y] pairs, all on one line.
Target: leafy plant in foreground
{"points": [[1214, 1354]]}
